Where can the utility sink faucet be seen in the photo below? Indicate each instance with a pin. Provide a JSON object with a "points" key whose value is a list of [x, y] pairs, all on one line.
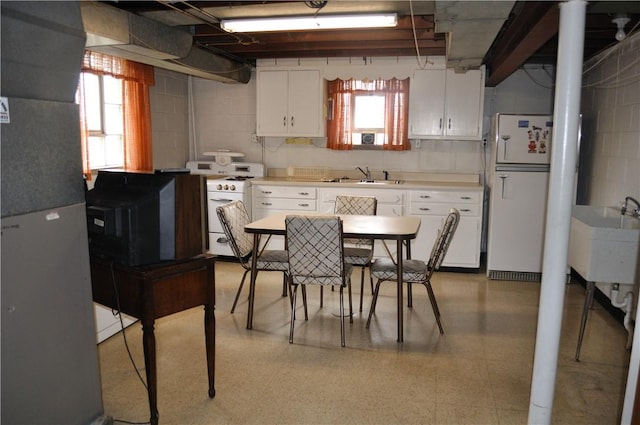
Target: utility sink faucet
{"points": [[367, 174], [636, 210]]}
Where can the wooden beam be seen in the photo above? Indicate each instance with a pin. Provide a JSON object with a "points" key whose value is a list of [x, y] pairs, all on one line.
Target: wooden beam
{"points": [[535, 24]]}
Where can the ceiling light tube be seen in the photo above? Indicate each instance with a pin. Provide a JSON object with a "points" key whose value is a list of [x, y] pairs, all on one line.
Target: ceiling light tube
{"points": [[317, 22]]}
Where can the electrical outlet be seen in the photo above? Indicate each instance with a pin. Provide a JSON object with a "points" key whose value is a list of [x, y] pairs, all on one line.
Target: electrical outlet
{"points": [[254, 138]]}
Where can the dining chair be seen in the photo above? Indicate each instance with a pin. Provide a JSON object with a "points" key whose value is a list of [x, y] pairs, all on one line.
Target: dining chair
{"points": [[358, 252], [233, 217], [417, 271], [316, 257]]}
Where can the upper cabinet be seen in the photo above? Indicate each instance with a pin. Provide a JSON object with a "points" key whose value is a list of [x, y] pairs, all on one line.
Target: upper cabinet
{"points": [[444, 104], [290, 103]]}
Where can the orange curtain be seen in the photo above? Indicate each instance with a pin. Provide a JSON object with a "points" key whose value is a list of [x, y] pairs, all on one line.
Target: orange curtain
{"points": [[340, 97], [138, 155]]}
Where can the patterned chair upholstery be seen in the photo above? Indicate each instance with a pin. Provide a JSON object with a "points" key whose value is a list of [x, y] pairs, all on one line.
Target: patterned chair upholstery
{"points": [[233, 217], [417, 271], [361, 254], [315, 247]]}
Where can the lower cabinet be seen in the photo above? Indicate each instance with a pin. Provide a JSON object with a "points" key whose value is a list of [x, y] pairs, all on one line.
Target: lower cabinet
{"points": [[433, 206], [268, 200]]}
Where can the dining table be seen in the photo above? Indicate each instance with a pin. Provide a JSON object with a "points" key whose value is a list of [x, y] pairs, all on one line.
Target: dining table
{"points": [[402, 229]]}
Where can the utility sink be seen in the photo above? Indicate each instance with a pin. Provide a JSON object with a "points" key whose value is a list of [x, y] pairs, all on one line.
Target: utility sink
{"points": [[603, 245]]}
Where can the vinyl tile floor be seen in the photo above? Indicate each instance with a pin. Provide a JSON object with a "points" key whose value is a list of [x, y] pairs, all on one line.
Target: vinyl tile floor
{"points": [[477, 372]]}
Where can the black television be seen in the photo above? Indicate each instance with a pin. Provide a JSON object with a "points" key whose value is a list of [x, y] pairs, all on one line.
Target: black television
{"points": [[138, 219]]}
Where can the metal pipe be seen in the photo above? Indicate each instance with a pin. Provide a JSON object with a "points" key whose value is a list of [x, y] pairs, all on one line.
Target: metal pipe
{"points": [[566, 118]]}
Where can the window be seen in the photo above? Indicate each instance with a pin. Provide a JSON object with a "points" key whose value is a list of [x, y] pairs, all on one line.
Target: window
{"points": [[115, 115], [105, 122], [368, 114]]}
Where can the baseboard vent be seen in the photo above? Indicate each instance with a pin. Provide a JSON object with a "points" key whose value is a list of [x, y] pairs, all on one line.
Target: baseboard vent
{"points": [[520, 276]]}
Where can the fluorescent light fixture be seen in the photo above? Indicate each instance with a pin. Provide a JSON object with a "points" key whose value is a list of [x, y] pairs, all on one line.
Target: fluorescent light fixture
{"points": [[317, 22]]}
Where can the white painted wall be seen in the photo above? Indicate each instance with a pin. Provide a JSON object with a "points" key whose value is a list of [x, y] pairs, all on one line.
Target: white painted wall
{"points": [[610, 152]]}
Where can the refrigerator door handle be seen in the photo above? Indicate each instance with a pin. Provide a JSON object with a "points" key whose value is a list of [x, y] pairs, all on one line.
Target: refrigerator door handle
{"points": [[503, 177]]}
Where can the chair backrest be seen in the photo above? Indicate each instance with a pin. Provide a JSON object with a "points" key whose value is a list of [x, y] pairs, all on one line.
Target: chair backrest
{"points": [[315, 250], [356, 205], [441, 245], [233, 217]]}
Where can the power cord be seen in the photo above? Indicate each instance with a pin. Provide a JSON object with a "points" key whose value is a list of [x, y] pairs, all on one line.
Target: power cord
{"points": [[126, 344]]}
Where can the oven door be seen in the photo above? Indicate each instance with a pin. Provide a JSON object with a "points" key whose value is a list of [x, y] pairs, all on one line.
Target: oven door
{"points": [[218, 244]]}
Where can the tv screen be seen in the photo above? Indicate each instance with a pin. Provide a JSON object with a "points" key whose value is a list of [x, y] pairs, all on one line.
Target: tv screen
{"points": [[132, 217]]}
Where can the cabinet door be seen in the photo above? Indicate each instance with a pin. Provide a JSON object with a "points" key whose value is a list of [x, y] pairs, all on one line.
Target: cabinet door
{"points": [[426, 103], [463, 108], [272, 109], [305, 103]]}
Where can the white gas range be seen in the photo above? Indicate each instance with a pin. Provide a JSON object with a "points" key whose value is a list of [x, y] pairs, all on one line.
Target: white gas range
{"points": [[225, 183]]}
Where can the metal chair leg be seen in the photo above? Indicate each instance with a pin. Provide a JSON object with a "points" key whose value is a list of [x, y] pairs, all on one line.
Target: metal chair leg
{"points": [[372, 309], [434, 305], [244, 275], [293, 313], [342, 316]]}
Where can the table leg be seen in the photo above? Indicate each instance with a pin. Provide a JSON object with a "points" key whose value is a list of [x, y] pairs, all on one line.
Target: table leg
{"points": [[149, 348], [252, 281], [400, 306], [588, 302], [210, 344]]}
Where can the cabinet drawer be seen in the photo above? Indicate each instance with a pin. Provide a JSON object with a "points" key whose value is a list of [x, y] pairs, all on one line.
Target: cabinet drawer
{"points": [[285, 204], [384, 196], [285, 192], [443, 209], [445, 196]]}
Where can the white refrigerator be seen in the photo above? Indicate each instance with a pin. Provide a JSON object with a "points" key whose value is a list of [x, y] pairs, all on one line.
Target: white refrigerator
{"points": [[519, 179]]}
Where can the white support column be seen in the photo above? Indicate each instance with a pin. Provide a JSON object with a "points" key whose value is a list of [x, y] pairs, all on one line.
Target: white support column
{"points": [[564, 148]]}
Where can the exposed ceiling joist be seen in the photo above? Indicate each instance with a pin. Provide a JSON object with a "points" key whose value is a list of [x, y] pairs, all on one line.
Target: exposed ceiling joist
{"points": [[525, 34]]}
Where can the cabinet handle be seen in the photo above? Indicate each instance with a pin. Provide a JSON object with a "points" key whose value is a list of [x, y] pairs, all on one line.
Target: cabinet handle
{"points": [[266, 192], [465, 197], [303, 205], [449, 123], [266, 203], [293, 121], [222, 240], [440, 127], [425, 196], [465, 210], [284, 121], [303, 193], [425, 209]]}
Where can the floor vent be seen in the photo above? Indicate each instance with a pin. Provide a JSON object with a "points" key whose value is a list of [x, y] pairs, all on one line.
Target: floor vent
{"points": [[520, 276]]}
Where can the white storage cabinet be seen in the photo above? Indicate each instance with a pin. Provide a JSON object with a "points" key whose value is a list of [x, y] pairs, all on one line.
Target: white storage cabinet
{"points": [[433, 206], [268, 200], [289, 103], [444, 104], [390, 202]]}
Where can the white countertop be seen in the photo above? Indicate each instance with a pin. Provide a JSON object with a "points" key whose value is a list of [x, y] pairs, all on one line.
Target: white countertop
{"points": [[406, 184]]}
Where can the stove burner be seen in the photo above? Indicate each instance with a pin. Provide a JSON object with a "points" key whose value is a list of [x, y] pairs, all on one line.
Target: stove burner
{"points": [[239, 178]]}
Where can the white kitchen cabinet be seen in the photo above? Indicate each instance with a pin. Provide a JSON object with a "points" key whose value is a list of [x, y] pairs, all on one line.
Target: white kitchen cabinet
{"points": [[390, 202], [268, 200], [444, 104], [433, 206], [289, 103]]}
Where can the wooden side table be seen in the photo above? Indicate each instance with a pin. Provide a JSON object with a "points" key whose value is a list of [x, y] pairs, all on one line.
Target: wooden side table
{"points": [[151, 292]]}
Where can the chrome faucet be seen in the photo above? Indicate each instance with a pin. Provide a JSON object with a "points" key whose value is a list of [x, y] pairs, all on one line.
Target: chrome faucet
{"points": [[636, 210], [367, 174]]}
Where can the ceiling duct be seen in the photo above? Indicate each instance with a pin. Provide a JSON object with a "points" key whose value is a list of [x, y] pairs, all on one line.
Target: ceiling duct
{"points": [[123, 34]]}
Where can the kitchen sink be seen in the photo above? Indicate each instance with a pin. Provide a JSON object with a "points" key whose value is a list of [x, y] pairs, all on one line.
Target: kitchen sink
{"points": [[603, 245], [356, 181]]}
